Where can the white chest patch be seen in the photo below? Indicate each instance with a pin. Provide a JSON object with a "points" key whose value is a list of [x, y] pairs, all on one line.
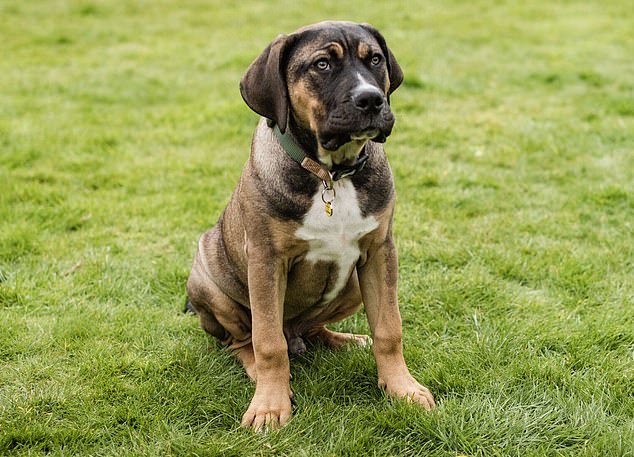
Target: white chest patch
{"points": [[336, 238]]}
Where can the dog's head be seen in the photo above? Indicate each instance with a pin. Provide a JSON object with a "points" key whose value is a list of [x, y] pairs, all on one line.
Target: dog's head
{"points": [[332, 79]]}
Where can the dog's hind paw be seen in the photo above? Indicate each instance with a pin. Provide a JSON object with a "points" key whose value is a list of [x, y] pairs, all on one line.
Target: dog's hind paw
{"points": [[336, 340]]}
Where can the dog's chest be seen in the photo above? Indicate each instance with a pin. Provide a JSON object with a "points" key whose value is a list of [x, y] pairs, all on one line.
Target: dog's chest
{"points": [[335, 239]]}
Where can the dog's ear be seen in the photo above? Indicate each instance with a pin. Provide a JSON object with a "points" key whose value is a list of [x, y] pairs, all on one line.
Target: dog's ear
{"points": [[263, 87], [393, 68]]}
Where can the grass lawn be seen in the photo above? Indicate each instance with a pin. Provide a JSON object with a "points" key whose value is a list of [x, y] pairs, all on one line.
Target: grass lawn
{"points": [[122, 135]]}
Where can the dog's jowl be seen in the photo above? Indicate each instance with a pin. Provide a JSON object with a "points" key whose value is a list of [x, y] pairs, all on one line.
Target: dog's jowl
{"points": [[306, 237]]}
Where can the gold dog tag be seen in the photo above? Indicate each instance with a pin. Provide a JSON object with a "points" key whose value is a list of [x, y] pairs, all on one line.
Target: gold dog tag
{"points": [[328, 196], [328, 209]]}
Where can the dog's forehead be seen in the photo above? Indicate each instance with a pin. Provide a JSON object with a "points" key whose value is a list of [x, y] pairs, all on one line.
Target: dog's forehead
{"points": [[342, 36]]}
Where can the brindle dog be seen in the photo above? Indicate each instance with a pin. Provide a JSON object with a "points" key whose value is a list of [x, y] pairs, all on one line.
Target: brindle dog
{"points": [[306, 237]]}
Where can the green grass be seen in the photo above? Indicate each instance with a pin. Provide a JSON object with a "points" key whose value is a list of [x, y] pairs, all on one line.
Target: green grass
{"points": [[122, 134]]}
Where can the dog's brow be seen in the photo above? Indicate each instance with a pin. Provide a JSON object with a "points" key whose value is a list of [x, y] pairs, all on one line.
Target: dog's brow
{"points": [[363, 50], [335, 48]]}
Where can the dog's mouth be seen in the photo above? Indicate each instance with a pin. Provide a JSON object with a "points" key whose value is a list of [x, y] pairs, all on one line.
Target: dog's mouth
{"points": [[332, 140], [366, 134]]}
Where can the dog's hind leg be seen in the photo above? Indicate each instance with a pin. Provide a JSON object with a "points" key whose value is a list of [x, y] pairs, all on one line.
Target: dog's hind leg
{"points": [[221, 316]]}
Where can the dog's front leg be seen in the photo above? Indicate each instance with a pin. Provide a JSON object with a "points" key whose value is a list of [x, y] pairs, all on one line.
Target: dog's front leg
{"points": [[378, 281], [271, 403]]}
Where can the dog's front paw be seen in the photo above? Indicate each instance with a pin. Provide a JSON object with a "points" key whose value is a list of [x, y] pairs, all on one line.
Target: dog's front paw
{"points": [[405, 386], [269, 408]]}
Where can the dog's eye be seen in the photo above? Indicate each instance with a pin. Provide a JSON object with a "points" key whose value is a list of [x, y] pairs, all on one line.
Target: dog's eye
{"points": [[376, 59], [322, 64]]}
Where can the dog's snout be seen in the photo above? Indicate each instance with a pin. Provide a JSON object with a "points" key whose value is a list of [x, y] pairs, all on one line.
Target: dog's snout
{"points": [[369, 100]]}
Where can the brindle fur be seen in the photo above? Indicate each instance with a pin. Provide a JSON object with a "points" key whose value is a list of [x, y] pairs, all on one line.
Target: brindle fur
{"points": [[251, 283]]}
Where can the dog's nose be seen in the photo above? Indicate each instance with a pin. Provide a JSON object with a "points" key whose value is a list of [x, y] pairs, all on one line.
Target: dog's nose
{"points": [[369, 101]]}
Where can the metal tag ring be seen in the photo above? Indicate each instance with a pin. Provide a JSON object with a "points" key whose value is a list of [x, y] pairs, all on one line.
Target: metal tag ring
{"points": [[323, 195]]}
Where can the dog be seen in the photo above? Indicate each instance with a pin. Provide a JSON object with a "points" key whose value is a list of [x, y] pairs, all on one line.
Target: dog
{"points": [[306, 237]]}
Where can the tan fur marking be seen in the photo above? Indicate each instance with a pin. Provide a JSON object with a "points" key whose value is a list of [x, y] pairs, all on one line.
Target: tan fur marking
{"points": [[306, 106], [337, 49], [364, 50]]}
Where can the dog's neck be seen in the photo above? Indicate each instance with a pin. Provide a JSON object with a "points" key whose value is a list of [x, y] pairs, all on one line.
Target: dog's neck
{"points": [[328, 175], [304, 138]]}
